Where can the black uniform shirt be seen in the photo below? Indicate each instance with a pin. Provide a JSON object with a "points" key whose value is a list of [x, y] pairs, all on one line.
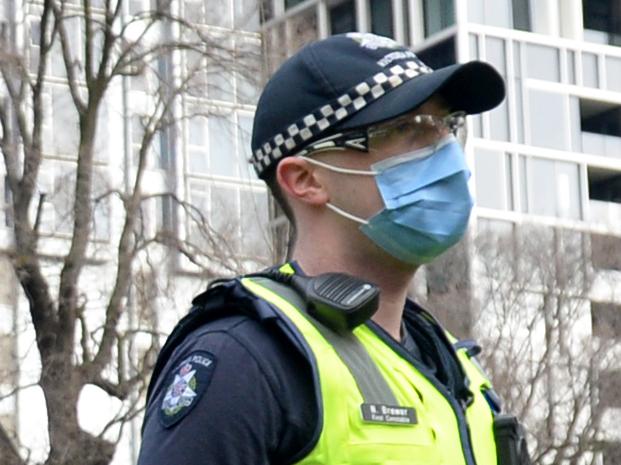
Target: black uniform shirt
{"points": [[259, 406]]}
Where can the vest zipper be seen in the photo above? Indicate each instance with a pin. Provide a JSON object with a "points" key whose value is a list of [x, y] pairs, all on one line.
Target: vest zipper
{"points": [[460, 412]]}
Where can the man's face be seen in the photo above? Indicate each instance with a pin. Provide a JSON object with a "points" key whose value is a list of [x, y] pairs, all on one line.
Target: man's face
{"points": [[359, 195]]}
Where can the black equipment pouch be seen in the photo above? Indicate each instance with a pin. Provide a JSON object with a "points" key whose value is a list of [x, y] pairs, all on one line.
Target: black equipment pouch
{"points": [[511, 447]]}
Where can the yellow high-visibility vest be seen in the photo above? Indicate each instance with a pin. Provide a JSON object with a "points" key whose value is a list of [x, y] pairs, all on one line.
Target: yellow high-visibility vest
{"points": [[377, 408]]}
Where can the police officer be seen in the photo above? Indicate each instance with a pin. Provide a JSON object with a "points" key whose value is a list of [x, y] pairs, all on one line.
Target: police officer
{"points": [[357, 140]]}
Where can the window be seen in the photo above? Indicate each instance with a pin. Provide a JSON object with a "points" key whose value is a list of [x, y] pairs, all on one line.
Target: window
{"points": [[219, 78], [602, 21], [136, 136], [548, 125], [550, 188], [606, 320], [292, 3], [224, 215], [381, 18], [543, 62], [211, 146], [164, 219], [267, 11], [254, 223], [343, 17], [439, 54], [34, 38], [511, 14], [73, 28], [439, 14], [164, 148], [244, 134], [600, 126], [222, 156], [590, 72], [613, 71], [493, 179], [64, 123], [606, 253], [212, 13], [198, 161], [609, 384], [246, 14], [304, 29], [604, 184], [101, 207]]}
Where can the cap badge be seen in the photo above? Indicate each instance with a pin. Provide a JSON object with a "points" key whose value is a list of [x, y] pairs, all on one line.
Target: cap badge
{"points": [[372, 41]]}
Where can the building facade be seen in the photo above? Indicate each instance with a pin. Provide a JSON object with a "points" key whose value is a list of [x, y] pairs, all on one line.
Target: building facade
{"points": [[548, 158]]}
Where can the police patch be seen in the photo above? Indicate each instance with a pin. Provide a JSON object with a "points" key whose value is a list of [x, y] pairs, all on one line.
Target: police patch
{"points": [[187, 382]]}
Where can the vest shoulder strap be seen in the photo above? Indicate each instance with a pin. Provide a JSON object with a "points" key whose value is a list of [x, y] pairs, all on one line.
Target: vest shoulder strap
{"points": [[372, 385]]}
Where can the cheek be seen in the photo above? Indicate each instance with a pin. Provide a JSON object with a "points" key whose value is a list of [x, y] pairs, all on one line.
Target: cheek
{"points": [[367, 196]]}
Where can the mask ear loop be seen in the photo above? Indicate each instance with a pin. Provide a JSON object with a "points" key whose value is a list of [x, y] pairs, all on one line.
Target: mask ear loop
{"points": [[344, 214], [337, 169]]}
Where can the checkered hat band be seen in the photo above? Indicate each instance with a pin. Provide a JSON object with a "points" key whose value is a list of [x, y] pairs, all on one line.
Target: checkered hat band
{"points": [[293, 138]]}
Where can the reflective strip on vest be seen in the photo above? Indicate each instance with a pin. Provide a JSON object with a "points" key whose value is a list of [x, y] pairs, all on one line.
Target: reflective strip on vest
{"points": [[347, 382]]}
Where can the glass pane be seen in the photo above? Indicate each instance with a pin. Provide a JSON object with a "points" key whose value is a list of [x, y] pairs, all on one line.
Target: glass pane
{"points": [[476, 11], [541, 184], [473, 41], [193, 11], [517, 59], [218, 13], [343, 17], [66, 130], [521, 15], [568, 190], [575, 126], [222, 155], [199, 199], [439, 14], [548, 119], [589, 70], [491, 183], [220, 85], [495, 51], [542, 62], [519, 110], [381, 18], [63, 198], [244, 134], [197, 160], [476, 125], [254, 219], [498, 13], [523, 183], [571, 67], [197, 131], [246, 15], [224, 215], [509, 181], [613, 73], [499, 122], [304, 29]]}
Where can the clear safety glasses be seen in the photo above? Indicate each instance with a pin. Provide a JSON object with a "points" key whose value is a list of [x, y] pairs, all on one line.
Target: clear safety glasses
{"points": [[400, 135]]}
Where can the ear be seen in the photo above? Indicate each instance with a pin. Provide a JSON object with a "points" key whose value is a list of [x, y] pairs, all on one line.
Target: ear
{"points": [[298, 179]]}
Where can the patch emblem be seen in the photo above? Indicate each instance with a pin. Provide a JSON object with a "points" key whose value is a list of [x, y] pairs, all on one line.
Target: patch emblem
{"points": [[372, 41], [186, 384]]}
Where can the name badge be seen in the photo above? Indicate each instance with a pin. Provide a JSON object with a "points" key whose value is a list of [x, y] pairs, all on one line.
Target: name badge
{"points": [[389, 414]]}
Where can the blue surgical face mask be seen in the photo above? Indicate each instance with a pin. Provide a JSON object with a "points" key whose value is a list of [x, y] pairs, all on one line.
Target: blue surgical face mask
{"points": [[426, 198]]}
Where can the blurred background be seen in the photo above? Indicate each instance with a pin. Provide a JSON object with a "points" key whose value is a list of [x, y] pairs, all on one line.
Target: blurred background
{"points": [[125, 188]]}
